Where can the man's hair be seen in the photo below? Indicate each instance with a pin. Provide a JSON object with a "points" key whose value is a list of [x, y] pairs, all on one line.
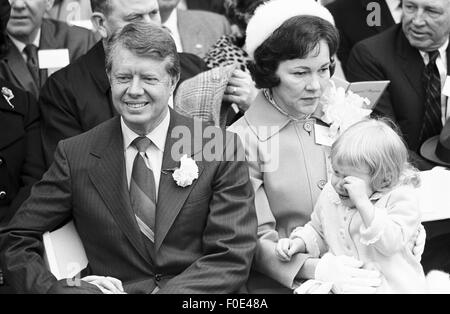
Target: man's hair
{"points": [[145, 40], [376, 145], [102, 6], [296, 38]]}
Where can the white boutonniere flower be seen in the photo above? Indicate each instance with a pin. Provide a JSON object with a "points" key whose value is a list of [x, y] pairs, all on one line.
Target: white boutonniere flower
{"points": [[186, 173], [8, 95], [342, 109]]}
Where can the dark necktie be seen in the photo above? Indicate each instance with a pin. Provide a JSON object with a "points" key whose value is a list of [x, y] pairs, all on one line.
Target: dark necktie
{"points": [[143, 190], [432, 122], [31, 51]]}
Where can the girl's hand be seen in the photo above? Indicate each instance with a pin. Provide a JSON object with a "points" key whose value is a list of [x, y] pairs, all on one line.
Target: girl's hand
{"points": [[357, 190], [288, 247]]}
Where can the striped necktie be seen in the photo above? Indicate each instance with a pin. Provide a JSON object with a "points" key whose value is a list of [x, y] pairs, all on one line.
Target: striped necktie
{"points": [[143, 190], [31, 51], [432, 122]]}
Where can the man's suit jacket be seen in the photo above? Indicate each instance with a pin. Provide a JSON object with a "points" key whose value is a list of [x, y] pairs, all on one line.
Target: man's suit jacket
{"points": [[350, 17], [389, 56], [77, 98], [205, 233], [206, 5], [54, 35], [21, 158], [200, 30]]}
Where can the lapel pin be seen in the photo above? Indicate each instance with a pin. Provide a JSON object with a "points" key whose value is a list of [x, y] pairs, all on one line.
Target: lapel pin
{"points": [[8, 95]]}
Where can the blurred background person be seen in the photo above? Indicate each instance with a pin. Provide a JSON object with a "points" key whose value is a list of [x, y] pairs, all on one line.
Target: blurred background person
{"points": [[73, 12], [29, 32], [360, 19], [193, 31], [21, 159], [414, 57], [223, 94]]}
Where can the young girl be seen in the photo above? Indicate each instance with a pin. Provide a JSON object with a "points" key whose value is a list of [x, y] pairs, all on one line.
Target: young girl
{"points": [[369, 211]]}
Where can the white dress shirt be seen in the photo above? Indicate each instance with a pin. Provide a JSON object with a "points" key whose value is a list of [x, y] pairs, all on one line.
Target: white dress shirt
{"points": [[154, 152], [172, 25], [21, 46], [441, 63], [396, 10]]}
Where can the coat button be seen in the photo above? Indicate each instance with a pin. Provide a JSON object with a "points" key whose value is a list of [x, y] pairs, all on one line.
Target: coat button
{"points": [[321, 184], [2, 195], [1, 161], [158, 277], [308, 126]]}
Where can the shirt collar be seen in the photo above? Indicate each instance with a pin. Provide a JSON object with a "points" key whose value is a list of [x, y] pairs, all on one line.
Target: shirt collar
{"points": [[21, 46], [442, 51], [172, 22], [157, 136]]}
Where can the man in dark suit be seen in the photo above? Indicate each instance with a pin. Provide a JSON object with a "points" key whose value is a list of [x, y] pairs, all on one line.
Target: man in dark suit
{"points": [[21, 158], [357, 20], [77, 98], [28, 33], [194, 31], [147, 216], [399, 55]]}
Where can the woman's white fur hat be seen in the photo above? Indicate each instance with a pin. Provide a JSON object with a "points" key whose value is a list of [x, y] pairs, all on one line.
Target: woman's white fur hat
{"points": [[271, 15]]}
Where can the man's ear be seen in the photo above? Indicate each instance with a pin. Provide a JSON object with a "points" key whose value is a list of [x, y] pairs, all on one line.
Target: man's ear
{"points": [[98, 19], [174, 81], [49, 5]]}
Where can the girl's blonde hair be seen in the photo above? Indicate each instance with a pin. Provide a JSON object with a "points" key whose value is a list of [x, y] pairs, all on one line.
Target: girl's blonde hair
{"points": [[374, 144]]}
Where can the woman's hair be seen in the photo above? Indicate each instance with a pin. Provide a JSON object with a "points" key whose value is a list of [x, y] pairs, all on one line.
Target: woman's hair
{"points": [[375, 145], [296, 38], [239, 11]]}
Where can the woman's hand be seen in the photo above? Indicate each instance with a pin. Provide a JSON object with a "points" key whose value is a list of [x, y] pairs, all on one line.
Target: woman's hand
{"points": [[288, 247], [418, 245], [347, 274], [240, 90], [108, 285]]}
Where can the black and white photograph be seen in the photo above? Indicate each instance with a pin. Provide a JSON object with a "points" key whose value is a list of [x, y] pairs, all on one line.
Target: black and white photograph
{"points": [[224, 151]]}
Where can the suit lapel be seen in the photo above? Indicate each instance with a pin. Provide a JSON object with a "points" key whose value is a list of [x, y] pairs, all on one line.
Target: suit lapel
{"points": [[411, 63], [20, 70], [448, 60], [109, 178], [13, 130], [171, 197], [96, 57], [48, 38]]}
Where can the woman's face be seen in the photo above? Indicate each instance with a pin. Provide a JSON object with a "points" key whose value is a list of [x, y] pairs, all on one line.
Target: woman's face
{"points": [[302, 81]]}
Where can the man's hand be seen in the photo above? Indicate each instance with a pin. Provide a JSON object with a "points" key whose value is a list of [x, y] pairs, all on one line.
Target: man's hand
{"points": [[108, 285], [240, 90], [347, 274]]}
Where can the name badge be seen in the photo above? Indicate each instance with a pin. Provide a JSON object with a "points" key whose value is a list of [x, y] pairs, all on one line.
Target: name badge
{"points": [[446, 88], [322, 134], [53, 58]]}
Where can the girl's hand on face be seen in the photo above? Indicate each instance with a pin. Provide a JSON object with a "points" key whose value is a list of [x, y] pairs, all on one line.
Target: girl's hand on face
{"points": [[357, 190]]}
